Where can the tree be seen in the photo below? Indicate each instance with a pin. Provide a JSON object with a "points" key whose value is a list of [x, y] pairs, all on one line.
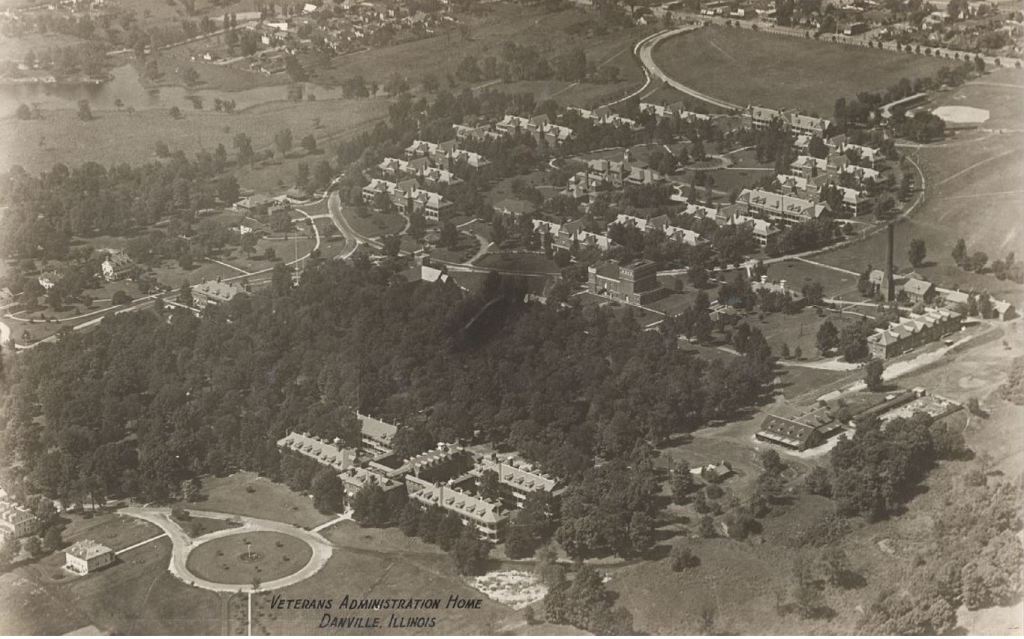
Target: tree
{"points": [[960, 252], [309, 143], [409, 519], [174, 112], [707, 526], [53, 540], [828, 337], [190, 76], [682, 557], [917, 252], [328, 492], [120, 298], [817, 482], [813, 292], [682, 483], [978, 261], [449, 235], [283, 141], [9, 548], [470, 554], [33, 546], [873, 375], [835, 565], [84, 110], [23, 112]]}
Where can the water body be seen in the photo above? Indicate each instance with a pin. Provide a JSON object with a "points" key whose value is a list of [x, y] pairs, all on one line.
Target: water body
{"points": [[126, 86]]}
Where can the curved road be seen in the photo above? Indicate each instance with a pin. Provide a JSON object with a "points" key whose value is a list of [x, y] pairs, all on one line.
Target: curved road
{"points": [[182, 545], [645, 51]]}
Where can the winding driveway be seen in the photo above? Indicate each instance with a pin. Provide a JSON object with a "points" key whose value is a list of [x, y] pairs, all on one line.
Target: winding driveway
{"points": [[183, 545]]}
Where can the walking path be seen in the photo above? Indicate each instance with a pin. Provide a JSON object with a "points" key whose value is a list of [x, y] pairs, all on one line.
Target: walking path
{"points": [[183, 545], [340, 518], [141, 543]]}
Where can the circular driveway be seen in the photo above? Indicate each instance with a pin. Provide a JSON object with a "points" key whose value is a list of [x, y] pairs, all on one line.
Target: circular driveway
{"points": [[183, 545]]}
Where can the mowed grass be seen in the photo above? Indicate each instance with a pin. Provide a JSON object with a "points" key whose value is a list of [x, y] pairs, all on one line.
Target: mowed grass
{"points": [[370, 563], [749, 67], [245, 493], [973, 192], [136, 595], [116, 136], [226, 560]]}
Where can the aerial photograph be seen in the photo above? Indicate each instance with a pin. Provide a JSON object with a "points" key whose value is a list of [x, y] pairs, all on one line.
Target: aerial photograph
{"points": [[512, 317]]}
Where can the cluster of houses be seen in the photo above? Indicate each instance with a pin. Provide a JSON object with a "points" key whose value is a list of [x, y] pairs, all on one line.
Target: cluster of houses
{"points": [[344, 26], [447, 476], [604, 174], [426, 164]]}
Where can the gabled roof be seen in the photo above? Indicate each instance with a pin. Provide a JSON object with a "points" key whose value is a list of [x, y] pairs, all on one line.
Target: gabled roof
{"points": [[917, 287]]}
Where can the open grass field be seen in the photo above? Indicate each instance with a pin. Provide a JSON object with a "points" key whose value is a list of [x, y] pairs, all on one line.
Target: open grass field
{"points": [[245, 493], [973, 192], [488, 30], [749, 67], [117, 136], [228, 559]]}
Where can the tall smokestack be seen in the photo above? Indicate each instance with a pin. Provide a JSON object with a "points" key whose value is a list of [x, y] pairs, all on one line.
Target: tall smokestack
{"points": [[890, 282]]}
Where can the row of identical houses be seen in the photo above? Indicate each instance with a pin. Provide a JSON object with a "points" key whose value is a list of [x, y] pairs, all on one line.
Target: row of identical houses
{"points": [[539, 127], [674, 111], [447, 476], [793, 121]]}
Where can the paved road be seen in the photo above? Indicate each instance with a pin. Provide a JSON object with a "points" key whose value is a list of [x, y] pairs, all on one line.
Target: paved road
{"points": [[645, 49], [182, 545]]}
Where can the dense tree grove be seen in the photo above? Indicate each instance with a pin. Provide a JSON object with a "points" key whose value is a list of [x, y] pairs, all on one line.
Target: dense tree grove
{"points": [[144, 401]]}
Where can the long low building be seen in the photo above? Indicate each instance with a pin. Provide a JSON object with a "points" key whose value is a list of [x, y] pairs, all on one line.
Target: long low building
{"points": [[487, 517], [330, 454], [785, 209], [800, 432], [518, 476], [913, 331]]}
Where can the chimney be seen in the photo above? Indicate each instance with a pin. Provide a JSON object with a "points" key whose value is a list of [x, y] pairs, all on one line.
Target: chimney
{"points": [[888, 282]]}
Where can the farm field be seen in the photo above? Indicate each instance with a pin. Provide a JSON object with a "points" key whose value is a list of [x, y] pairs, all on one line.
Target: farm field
{"points": [[748, 67], [487, 33], [117, 136]]}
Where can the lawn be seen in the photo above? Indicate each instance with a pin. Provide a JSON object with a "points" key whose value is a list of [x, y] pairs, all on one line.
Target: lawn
{"points": [[137, 595], [748, 67], [371, 562], [373, 224], [242, 558], [198, 526], [245, 493], [110, 529]]}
